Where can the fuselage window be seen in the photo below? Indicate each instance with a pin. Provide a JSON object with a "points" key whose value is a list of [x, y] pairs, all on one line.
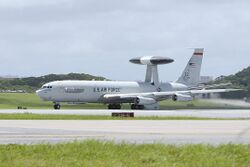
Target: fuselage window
{"points": [[74, 90]]}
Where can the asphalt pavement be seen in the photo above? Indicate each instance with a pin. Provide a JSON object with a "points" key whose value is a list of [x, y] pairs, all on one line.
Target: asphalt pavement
{"points": [[212, 132], [217, 113]]}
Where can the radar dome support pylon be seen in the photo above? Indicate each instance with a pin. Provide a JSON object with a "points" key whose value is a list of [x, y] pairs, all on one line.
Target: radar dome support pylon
{"points": [[152, 74], [148, 77], [152, 62]]}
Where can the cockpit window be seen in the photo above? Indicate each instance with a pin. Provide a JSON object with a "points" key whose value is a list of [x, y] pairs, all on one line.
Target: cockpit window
{"points": [[46, 87]]}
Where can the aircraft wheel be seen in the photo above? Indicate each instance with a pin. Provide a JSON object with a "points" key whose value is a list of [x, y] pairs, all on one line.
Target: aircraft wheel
{"points": [[114, 106], [141, 107], [57, 106], [119, 106], [137, 107]]}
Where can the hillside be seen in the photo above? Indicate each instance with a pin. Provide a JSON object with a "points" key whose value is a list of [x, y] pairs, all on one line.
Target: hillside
{"points": [[30, 84], [239, 80]]}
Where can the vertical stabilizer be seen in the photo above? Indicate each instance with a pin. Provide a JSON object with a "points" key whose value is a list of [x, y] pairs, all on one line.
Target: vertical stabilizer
{"points": [[191, 74]]}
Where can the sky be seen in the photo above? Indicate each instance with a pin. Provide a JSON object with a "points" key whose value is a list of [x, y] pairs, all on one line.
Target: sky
{"points": [[99, 37]]}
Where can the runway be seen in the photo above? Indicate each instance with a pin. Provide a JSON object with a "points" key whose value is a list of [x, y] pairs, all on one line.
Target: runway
{"points": [[243, 114], [131, 131]]}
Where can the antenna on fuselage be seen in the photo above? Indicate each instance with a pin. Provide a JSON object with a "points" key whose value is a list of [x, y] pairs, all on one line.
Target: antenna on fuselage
{"points": [[152, 63]]}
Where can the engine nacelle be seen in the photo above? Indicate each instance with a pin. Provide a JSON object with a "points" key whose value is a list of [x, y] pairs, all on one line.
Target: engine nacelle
{"points": [[182, 97], [144, 101]]}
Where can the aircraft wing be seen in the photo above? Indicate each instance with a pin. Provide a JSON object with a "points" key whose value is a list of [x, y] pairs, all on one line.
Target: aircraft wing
{"points": [[199, 87], [158, 96], [205, 91]]}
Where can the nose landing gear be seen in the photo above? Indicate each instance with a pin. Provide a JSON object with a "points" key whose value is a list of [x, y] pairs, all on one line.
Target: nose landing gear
{"points": [[57, 106]]}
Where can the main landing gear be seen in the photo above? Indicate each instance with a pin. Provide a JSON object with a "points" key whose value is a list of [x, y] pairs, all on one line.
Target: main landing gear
{"points": [[114, 106], [118, 107], [57, 106], [137, 107]]}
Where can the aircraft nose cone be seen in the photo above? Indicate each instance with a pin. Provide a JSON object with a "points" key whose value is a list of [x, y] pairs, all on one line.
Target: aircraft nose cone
{"points": [[37, 92], [41, 94]]}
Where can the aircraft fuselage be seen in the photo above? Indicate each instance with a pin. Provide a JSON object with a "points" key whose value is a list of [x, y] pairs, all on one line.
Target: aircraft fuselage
{"points": [[93, 91]]}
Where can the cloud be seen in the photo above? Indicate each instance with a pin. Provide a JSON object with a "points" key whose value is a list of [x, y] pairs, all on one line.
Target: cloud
{"points": [[99, 37]]}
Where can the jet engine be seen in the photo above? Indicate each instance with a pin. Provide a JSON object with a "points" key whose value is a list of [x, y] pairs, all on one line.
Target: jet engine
{"points": [[182, 97], [144, 101]]}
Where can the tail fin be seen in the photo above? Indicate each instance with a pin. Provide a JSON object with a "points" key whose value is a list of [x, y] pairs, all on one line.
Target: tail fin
{"points": [[191, 74]]}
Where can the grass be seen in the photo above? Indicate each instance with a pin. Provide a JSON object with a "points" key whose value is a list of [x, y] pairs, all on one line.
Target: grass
{"points": [[28, 116], [31, 101], [108, 154]]}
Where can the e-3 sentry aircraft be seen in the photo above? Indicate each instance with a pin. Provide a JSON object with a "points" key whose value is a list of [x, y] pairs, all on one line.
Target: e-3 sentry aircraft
{"points": [[141, 95]]}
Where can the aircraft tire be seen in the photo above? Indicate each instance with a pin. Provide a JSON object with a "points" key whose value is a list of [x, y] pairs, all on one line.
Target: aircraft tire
{"points": [[114, 106], [57, 106], [137, 107]]}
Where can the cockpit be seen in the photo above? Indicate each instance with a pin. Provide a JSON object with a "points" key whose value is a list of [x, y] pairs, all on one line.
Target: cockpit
{"points": [[46, 87], [45, 92]]}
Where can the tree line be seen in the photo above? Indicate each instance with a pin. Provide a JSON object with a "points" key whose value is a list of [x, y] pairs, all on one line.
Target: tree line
{"points": [[239, 80], [30, 84]]}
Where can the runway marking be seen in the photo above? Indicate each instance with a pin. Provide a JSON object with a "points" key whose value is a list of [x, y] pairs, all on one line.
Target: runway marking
{"points": [[168, 131]]}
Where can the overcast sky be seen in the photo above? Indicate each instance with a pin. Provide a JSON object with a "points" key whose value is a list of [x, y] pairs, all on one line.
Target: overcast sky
{"points": [[99, 37]]}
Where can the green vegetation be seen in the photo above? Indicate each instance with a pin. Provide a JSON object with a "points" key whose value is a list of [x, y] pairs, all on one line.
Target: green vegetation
{"points": [[94, 153], [30, 84], [239, 80], [31, 101]]}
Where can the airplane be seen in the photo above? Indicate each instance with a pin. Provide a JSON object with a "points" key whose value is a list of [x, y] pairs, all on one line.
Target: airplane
{"points": [[140, 95]]}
